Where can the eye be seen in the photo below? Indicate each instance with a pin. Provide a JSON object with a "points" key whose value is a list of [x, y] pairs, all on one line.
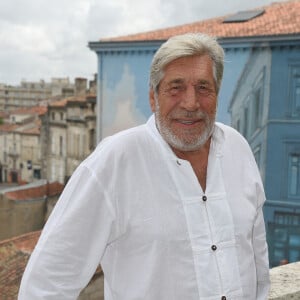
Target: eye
{"points": [[203, 89], [174, 89]]}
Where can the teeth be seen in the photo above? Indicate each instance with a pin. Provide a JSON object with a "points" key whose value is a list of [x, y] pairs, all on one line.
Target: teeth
{"points": [[187, 122]]}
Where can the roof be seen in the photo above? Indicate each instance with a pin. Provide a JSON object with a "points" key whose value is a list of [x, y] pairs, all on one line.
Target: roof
{"points": [[279, 18], [14, 254], [35, 110], [63, 102], [8, 127], [49, 189]]}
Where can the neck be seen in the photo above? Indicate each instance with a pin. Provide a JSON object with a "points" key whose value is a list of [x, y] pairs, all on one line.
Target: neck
{"points": [[198, 160]]}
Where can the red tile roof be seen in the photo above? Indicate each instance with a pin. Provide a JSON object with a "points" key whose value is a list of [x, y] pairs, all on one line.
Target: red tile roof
{"points": [[63, 102], [35, 110], [8, 127], [13, 259], [280, 18], [50, 189]]}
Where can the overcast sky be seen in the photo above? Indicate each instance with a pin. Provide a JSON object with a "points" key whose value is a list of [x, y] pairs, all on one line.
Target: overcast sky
{"points": [[41, 39]]}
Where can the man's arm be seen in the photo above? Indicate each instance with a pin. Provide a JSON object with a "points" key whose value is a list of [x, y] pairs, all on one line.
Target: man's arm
{"points": [[72, 242]]}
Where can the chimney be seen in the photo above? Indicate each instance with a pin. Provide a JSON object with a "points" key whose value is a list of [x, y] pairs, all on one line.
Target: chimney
{"points": [[80, 86]]}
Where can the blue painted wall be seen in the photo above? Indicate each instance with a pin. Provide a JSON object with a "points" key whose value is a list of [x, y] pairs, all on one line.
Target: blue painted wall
{"points": [[278, 136], [123, 74], [265, 66]]}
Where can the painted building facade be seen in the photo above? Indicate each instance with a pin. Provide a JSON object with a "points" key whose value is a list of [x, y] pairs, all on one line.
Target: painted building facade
{"points": [[259, 96], [266, 110]]}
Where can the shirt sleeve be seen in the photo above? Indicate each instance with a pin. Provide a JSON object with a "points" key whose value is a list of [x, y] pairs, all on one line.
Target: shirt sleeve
{"points": [[72, 242], [261, 253]]}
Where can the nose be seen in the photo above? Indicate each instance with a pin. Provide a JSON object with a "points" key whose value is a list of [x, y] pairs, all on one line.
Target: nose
{"points": [[190, 101]]}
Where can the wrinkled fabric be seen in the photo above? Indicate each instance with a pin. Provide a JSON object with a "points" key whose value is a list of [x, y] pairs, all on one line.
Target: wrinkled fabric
{"points": [[138, 210]]}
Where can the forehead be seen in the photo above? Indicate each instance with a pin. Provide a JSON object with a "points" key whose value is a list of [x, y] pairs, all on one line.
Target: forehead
{"points": [[189, 68]]}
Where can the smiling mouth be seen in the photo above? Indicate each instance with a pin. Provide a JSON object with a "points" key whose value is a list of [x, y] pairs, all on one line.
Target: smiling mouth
{"points": [[187, 122]]}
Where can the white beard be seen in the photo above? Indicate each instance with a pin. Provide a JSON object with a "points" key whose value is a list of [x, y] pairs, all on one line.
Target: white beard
{"points": [[181, 143]]}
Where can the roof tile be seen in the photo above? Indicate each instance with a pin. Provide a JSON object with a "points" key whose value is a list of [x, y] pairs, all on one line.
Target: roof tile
{"points": [[280, 18]]}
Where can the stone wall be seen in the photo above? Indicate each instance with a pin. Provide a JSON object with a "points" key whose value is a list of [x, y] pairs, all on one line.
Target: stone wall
{"points": [[285, 282]]}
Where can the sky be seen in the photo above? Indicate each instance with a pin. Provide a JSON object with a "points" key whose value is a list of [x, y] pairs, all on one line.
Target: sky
{"points": [[42, 39]]}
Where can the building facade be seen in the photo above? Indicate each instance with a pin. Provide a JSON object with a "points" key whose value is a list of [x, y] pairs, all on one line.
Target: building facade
{"points": [[259, 96], [72, 123], [48, 142], [265, 108], [20, 154], [28, 94]]}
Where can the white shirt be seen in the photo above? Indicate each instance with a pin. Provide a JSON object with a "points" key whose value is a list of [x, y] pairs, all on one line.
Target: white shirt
{"points": [[137, 209]]}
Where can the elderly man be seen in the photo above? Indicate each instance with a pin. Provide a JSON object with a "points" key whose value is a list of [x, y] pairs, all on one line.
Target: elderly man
{"points": [[171, 209]]}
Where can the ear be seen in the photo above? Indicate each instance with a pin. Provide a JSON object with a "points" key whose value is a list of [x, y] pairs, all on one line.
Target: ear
{"points": [[152, 100]]}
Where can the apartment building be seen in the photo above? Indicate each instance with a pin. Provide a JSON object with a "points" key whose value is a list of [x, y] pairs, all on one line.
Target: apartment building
{"points": [[72, 124], [20, 154], [48, 142], [30, 93]]}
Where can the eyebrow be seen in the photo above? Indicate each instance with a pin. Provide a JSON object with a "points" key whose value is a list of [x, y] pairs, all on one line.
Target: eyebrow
{"points": [[180, 80], [176, 80]]}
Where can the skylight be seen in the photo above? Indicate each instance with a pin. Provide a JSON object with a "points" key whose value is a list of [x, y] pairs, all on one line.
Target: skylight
{"points": [[244, 16]]}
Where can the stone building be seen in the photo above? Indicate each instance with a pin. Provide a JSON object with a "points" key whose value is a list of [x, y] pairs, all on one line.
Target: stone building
{"points": [[49, 141], [20, 155], [72, 124], [28, 94]]}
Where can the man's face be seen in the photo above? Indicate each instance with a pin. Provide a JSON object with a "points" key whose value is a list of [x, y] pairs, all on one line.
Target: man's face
{"points": [[186, 101]]}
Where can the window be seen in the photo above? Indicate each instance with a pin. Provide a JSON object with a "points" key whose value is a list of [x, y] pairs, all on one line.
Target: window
{"points": [[53, 116], [245, 128], [284, 237], [60, 145], [294, 175], [61, 116], [37, 173], [256, 108], [91, 139], [294, 96], [257, 98]]}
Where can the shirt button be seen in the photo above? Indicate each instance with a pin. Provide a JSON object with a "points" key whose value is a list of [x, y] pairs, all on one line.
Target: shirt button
{"points": [[214, 248], [223, 298], [204, 198]]}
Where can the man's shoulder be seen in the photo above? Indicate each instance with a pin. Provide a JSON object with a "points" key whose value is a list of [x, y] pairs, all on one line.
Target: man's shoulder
{"points": [[232, 137], [125, 145], [125, 141], [230, 132]]}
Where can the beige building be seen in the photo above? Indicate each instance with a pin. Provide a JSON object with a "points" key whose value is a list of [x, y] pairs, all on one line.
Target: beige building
{"points": [[72, 124], [20, 154], [49, 141], [28, 94]]}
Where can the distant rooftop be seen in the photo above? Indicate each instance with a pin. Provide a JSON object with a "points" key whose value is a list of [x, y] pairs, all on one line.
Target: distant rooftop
{"points": [[13, 259]]}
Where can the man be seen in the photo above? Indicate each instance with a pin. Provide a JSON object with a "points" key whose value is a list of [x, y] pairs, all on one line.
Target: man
{"points": [[171, 209]]}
